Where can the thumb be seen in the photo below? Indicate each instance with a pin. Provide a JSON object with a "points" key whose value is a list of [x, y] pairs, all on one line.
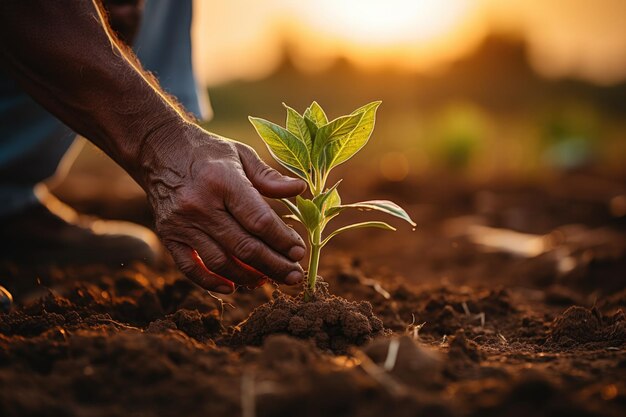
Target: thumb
{"points": [[266, 179]]}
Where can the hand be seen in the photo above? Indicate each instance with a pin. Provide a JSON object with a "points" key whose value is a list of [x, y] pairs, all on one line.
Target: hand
{"points": [[206, 194], [204, 190]]}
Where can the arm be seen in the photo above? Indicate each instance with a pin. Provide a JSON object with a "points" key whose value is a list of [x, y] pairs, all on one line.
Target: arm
{"points": [[204, 189]]}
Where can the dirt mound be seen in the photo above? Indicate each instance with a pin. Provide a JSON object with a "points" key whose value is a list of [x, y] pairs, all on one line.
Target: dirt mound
{"points": [[200, 326], [464, 358], [463, 349], [332, 322], [580, 326]]}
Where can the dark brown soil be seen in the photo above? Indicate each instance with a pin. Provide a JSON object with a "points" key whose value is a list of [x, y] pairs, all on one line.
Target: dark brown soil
{"points": [[469, 330], [332, 322], [580, 326]]}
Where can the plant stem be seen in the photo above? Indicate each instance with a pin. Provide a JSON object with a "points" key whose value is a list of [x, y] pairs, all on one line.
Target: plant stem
{"points": [[314, 260], [319, 183]]}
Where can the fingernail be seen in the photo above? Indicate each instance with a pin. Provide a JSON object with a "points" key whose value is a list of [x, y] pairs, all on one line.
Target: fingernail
{"points": [[224, 289], [294, 277], [296, 253]]}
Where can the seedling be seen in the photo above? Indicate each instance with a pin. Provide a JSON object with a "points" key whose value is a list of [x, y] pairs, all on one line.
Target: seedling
{"points": [[310, 146]]}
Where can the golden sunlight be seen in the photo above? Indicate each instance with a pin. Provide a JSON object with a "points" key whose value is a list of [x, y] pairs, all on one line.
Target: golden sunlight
{"points": [[245, 38], [384, 22], [412, 34]]}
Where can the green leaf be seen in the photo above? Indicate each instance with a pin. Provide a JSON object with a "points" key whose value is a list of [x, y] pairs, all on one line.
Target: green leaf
{"points": [[295, 213], [339, 131], [379, 225], [292, 217], [367, 107], [339, 151], [312, 128], [292, 207], [333, 200], [309, 212], [296, 125], [316, 114], [385, 206], [320, 199], [284, 146]]}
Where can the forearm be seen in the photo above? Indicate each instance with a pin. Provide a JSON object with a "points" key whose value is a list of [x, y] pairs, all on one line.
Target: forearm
{"points": [[64, 56], [204, 190]]}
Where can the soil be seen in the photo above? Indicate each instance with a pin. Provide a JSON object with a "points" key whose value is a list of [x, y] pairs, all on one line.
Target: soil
{"points": [[332, 322], [431, 323]]}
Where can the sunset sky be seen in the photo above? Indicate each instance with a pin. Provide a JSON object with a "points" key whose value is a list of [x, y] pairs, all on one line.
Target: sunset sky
{"points": [[243, 38]]}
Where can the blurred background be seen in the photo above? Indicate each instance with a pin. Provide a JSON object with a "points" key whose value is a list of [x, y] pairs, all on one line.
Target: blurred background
{"points": [[475, 90]]}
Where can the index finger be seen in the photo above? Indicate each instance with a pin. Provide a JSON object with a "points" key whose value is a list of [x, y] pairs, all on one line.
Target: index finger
{"points": [[256, 216]]}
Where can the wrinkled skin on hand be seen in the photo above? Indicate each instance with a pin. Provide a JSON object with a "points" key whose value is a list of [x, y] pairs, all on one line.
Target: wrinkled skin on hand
{"points": [[206, 192]]}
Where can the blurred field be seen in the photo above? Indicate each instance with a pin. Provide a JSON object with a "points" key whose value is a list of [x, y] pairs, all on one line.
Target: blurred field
{"points": [[487, 116]]}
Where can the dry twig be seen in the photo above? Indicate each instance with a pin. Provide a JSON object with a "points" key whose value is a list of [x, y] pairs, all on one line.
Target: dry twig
{"points": [[379, 374]]}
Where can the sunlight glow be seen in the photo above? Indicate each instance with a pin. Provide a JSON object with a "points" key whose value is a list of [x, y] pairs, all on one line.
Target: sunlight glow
{"points": [[408, 34], [247, 38], [390, 21]]}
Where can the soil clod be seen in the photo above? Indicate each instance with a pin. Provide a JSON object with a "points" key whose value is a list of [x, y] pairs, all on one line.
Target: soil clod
{"points": [[579, 326], [331, 321]]}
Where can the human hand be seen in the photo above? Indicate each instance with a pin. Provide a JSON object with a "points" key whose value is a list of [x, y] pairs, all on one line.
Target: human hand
{"points": [[206, 195]]}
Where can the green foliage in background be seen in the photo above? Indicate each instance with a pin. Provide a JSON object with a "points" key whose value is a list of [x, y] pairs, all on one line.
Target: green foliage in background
{"points": [[460, 130], [310, 146], [571, 136]]}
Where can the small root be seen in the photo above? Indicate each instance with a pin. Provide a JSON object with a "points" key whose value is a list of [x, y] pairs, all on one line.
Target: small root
{"points": [[479, 316], [466, 308], [118, 324], [392, 355], [221, 304], [369, 282], [413, 329]]}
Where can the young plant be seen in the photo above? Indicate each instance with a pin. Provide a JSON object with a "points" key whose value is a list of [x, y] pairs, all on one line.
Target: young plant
{"points": [[310, 146]]}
